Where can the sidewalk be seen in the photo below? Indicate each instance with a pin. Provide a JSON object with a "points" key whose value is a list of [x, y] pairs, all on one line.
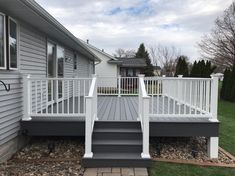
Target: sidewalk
{"points": [[116, 172]]}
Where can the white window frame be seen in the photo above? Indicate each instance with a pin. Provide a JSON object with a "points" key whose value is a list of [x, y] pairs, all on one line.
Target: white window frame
{"points": [[17, 60], [4, 41]]}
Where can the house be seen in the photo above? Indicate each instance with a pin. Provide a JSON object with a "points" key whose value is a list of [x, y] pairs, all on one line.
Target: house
{"points": [[55, 93], [33, 43]]}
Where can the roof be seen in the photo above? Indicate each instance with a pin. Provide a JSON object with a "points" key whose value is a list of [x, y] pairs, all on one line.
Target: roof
{"points": [[29, 12], [130, 62], [156, 67], [93, 48]]}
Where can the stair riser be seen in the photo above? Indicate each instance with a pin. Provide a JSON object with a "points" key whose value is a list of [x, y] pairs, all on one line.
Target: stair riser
{"points": [[116, 148], [115, 163], [117, 136], [115, 125]]}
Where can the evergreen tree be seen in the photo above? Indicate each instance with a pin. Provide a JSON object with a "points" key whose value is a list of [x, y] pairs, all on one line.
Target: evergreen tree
{"points": [[194, 69], [232, 95], [225, 84], [143, 53], [202, 69], [228, 86], [182, 67]]}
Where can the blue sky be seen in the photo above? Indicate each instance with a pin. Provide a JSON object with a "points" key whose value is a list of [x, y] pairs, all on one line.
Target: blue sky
{"points": [[112, 24]]}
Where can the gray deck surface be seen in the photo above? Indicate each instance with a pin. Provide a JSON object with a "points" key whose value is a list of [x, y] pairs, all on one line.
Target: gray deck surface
{"points": [[125, 108]]}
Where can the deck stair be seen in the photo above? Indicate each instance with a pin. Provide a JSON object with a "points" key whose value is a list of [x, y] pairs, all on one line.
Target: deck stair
{"points": [[116, 144]]}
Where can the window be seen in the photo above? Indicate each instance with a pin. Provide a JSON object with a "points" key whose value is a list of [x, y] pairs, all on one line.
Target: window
{"points": [[12, 33], [130, 72], [8, 43], [2, 42]]}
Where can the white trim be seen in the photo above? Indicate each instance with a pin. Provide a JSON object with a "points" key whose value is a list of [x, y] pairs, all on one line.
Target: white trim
{"points": [[17, 44], [4, 42]]}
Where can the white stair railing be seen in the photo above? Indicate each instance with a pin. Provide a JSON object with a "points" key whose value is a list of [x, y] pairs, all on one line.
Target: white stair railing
{"points": [[144, 116], [91, 116]]}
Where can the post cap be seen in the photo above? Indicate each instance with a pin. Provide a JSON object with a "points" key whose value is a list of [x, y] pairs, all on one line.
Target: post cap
{"points": [[180, 76], [216, 75], [141, 75]]}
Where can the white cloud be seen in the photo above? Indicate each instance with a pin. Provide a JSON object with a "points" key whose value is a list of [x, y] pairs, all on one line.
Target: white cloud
{"points": [[111, 24]]}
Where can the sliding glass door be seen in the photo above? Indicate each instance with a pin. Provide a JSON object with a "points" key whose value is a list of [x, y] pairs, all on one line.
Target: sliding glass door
{"points": [[60, 70], [55, 69]]}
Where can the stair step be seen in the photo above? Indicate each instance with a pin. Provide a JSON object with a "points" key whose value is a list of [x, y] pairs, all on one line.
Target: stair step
{"points": [[117, 130], [119, 124], [116, 136], [117, 156], [116, 160], [117, 142], [116, 148]]}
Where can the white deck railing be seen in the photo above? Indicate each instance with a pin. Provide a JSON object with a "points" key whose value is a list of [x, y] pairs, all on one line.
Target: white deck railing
{"points": [[91, 116], [55, 97], [117, 86], [184, 97], [143, 114]]}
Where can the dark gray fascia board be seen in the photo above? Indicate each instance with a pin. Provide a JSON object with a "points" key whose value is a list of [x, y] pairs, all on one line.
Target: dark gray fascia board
{"points": [[115, 62]]}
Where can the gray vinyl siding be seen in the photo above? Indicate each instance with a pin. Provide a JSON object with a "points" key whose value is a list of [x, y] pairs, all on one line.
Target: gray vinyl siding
{"points": [[32, 52], [10, 106], [32, 60], [83, 67]]}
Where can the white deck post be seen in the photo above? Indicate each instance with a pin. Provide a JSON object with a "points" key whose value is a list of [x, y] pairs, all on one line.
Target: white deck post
{"points": [[26, 98], [145, 121], [213, 147], [141, 76], [213, 142], [119, 85], [88, 128], [214, 97], [180, 87], [96, 98], [164, 86]]}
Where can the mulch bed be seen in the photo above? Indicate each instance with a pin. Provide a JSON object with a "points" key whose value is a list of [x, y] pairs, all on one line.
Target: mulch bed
{"points": [[45, 157], [187, 151]]}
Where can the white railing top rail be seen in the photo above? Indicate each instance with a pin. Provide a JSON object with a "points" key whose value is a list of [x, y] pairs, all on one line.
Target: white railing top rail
{"points": [[44, 79], [175, 78]]}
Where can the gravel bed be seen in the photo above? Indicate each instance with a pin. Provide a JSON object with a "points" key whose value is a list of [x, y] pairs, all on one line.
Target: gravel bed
{"points": [[62, 159], [191, 149]]}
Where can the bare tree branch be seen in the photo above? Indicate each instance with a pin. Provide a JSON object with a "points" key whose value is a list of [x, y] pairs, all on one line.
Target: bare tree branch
{"points": [[219, 45], [164, 56]]}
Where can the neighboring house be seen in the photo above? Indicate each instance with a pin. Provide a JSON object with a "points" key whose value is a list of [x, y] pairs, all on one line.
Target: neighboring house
{"points": [[103, 68], [131, 67], [54, 93], [125, 67], [33, 42]]}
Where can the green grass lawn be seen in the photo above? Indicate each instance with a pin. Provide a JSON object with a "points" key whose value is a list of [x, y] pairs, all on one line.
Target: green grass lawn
{"points": [[227, 141], [166, 169], [227, 126]]}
